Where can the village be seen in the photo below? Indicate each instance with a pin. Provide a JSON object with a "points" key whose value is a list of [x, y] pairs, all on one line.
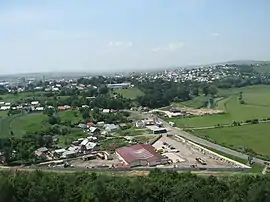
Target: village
{"points": [[164, 150]]}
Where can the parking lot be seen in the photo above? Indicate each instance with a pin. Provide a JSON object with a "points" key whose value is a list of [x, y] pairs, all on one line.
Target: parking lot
{"points": [[184, 154]]}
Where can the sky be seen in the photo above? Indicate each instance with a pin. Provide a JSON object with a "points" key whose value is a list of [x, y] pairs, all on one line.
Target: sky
{"points": [[124, 35]]}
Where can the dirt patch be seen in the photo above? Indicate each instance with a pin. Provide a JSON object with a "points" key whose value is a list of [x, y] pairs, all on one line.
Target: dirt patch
{"points": [[187, 111]]}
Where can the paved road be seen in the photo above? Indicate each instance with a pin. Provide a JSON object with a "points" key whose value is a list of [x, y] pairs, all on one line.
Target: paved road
{"points": [[206, 143]]}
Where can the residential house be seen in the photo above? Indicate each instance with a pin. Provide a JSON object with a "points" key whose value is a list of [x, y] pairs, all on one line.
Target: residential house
{"points": [[39, 109], [69, 154], [90, 146], [35, 103], [89, 124], [100, 123], [42, 152], [92, 138], [59, 152], [111, 127], [67, 107], [149, 122], [61, 108], [4, 108], [106, 111], [87, 145], [82, 126], [55, 89], [95, 131]]}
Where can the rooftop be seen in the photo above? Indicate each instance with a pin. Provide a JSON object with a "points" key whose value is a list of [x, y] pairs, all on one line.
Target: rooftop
{"points": [[139, 152]]}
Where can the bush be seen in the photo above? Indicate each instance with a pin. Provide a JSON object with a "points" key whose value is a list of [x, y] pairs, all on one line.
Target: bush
{"points": [[242, 102]]}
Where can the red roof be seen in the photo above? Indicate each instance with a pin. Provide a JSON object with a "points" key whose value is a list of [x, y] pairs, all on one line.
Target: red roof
{"points": [[62, 108], [90, 123], [139, 152]]}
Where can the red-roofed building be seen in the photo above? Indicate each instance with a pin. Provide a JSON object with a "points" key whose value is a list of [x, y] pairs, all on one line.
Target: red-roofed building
{"points": [[62, 108], [90, 124], [139, 155]]}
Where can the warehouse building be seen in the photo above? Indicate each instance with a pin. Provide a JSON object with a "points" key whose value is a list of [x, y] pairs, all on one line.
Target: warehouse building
{"points": [[139, 155]]}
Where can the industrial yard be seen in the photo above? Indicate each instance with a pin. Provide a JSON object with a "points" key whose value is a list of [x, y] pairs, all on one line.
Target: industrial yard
{"points": [[186, 154], [170, 151]]}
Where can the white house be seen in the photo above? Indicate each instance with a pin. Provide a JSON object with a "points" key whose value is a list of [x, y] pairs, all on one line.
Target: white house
{"points": [[39, 108], [34, 102]]}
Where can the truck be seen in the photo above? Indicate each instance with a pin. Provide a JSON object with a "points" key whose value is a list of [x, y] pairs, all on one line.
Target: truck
{"points": [[201, 161]]}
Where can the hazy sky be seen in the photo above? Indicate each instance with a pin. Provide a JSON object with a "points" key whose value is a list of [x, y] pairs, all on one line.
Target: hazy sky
{"points": [[115, 35]]}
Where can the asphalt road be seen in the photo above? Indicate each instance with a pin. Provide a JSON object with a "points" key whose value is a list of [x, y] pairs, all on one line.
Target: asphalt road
{"points": [[204, 142]]}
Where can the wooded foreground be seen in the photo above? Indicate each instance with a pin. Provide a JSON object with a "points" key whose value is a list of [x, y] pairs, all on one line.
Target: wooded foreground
{"points": [[157, 186]]}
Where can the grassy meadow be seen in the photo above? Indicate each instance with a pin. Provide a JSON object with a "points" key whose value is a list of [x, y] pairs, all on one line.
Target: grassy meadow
{"points": [[197, 102], [257, 105], [130, 93], [256, 137]]}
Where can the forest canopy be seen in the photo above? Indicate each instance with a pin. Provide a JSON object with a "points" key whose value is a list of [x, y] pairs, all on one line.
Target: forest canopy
{"points": [[157, 186]]}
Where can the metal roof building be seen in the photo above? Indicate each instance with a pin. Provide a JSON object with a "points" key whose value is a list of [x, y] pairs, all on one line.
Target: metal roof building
{"points": [[139, 155]]}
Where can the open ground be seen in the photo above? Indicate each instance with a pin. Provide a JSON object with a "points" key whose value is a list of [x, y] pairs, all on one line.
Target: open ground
{"points": [[131, 93]]}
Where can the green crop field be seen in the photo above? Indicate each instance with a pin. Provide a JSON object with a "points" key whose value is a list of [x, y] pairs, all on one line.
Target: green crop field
{"points": [[131, 93], [256, 137], [257, 105]]}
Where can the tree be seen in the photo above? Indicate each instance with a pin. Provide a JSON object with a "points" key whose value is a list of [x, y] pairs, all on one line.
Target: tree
{"points": [[54, 120], [103, 90], [195, 91], [213, 90], [205, 90]]}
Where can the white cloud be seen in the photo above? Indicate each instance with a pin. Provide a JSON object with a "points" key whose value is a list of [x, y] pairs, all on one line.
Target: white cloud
{"points": [[120, 44], [215, 34], [170, 47]]}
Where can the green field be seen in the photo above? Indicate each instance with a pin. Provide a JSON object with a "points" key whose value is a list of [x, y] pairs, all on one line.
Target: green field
{"points": [[13, 98], [28, 123], [256, 137], [197, 102], [19, 124], [76, 133], [73, 116], [111, 144], [257, 105], [130, 93]]}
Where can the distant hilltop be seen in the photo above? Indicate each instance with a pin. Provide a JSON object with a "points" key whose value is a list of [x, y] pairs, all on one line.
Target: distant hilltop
{"points": [[71, 74], [246, 62]]}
